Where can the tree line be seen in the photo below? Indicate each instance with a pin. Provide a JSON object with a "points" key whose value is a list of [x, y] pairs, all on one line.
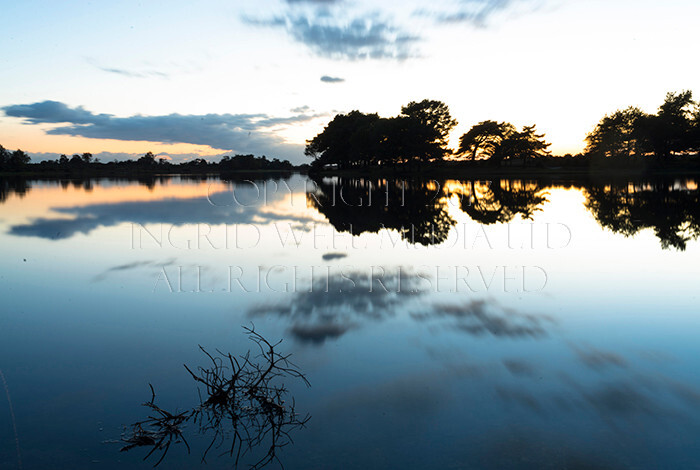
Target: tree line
{"points": [[419, 134], [673, 131], [12, 160], [18, 160]]}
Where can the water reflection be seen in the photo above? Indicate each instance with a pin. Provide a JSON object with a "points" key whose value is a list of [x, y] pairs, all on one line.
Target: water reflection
{"points": [[136, 265], [243, 408], [599, 360], [519, 449], [526, 413], [670, 208], [416, 209], [214, 208], [489, 202], [596, 370], [10, 186], [343, 301], [486, 317], [420, 211]]}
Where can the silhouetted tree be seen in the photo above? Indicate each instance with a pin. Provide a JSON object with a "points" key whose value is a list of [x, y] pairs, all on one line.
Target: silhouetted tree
{"points": [[359, 140], [616, 135], [251, 162], [18, 159], [483, 138], [430, 124], [393, 140], [196, 163], [4, 157], [76, 161], [13, 160], [148, 160], [433, 115], [523, 145], [670, 130], [346, 141], [500, 141], [694, 138]]}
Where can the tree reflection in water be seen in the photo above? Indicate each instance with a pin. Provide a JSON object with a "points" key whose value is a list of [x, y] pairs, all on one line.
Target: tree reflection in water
{"points": [[490, 202], [417, 209], [670, 208], [10, 186]]}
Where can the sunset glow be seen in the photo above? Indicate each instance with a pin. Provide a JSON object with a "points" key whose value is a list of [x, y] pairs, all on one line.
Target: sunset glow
{"points": [[235, 78]]}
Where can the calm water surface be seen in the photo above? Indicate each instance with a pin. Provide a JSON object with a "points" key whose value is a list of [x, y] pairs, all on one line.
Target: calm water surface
{"points": [[441, 324]]}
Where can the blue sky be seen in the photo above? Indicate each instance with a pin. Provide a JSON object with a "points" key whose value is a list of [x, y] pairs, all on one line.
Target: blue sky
{"points": [[189, 79]]}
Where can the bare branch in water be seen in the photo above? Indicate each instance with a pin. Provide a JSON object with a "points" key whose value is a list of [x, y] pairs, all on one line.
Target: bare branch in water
{"points": [[242, 406]]}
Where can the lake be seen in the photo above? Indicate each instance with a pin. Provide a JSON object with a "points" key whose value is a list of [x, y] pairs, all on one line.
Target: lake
{"points": [[440, 323]]}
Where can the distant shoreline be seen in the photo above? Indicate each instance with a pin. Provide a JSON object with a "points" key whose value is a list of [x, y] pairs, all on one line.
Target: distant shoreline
{"points": [[110, 173], [457, 173], [446, 173], [446, 170]]}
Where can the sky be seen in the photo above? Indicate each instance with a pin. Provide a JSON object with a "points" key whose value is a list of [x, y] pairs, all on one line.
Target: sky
{"points": [[203, 79]]}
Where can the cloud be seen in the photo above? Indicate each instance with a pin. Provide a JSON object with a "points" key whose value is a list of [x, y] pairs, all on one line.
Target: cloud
{"points": [[367, 36], [477, 12], [333, 256], [329, 79], [243, 133], [300, 109], [54, 112], [132, 74], [147, 70], [127, 73]]}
